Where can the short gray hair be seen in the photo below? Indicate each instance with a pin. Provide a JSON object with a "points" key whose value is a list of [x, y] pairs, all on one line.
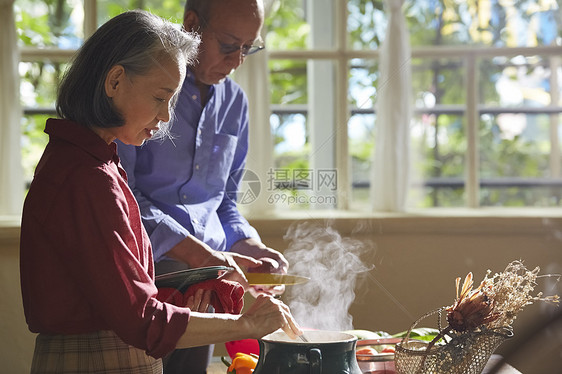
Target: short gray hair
{"points": [[136, 40]]}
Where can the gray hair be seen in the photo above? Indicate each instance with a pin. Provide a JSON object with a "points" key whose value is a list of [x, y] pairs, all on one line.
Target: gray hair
{"points": [[136, 40]]}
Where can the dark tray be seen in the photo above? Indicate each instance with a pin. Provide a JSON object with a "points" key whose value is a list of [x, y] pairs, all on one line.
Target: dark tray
{"points": [[182, 279]]}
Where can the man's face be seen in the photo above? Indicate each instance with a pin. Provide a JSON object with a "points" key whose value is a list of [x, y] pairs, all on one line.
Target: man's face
{"points": [[232, 24]]}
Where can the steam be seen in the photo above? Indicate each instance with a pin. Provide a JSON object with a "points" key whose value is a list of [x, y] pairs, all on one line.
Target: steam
{"points": [[333, 265]]}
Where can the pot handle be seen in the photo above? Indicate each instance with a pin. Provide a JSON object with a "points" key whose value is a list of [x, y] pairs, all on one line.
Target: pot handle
{"points": [[315, 361]]}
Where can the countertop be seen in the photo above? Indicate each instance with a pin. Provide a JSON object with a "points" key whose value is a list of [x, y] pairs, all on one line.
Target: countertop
{"points": [[217, 367]]}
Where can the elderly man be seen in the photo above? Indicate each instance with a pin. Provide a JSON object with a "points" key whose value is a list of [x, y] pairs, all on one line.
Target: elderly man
{"points": [[181, 184]]}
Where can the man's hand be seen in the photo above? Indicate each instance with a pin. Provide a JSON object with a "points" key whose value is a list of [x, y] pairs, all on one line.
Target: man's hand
{"points": [[197, 254], [272, 262]]}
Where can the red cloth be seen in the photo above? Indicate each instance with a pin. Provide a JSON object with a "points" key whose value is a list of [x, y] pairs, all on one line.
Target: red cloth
{"points": [[227, 298]]}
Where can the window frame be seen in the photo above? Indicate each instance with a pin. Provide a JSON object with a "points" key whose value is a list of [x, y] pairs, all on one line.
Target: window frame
{"points": [[342, 55]]}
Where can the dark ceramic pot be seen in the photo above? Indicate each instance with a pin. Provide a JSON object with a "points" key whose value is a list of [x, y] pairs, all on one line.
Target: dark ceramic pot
{"points": [[327, 352]]}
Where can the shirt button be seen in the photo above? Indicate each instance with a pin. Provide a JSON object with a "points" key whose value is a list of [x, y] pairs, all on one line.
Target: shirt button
{"points": [[197, 167], [184, 196], [194, 97]]}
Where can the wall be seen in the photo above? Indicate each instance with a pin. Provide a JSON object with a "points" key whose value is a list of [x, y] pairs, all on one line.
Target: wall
{"points": [[16, 344], [416, 260]]}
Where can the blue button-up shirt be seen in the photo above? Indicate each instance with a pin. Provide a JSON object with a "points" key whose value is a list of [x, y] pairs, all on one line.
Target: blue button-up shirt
{"points": [[181, 183]]}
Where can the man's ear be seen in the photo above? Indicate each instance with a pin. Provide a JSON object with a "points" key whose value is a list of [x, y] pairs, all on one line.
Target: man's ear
{"points": [[113, 80], [191, 21]]}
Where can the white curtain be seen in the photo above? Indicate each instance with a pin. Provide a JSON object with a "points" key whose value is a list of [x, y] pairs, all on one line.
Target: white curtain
{"points": [[253, 77], [11, 179], [390, 170]]}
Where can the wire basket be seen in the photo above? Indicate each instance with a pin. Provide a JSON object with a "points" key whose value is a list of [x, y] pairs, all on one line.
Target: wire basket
{"points": [[463, 353]]}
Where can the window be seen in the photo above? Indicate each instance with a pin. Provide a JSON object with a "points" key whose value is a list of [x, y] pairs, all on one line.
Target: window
{"points": [[486, 84], [497, 59]]}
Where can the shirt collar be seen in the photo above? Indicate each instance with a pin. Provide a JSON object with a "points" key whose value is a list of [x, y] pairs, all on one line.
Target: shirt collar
{"points": [[190, 81], [83, 137]]}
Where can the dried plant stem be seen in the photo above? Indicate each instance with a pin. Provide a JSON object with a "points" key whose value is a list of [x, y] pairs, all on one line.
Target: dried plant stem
{"points": [[439, 336]]}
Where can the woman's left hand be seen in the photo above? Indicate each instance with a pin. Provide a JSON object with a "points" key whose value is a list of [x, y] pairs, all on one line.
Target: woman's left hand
{"points": [[200, 301]]}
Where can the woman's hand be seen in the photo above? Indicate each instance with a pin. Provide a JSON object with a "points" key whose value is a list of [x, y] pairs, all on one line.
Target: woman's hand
{"points": [[268, 314], [237, 261], [200, 301], [265, 316], [197, 254]]}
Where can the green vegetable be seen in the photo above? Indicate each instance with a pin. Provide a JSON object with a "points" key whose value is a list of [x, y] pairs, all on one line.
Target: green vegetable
{"points": [[420, 333], [367, 335]]}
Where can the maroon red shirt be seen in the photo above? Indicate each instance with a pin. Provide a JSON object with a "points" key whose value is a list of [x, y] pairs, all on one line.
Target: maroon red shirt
{"points": [[86, 260]]}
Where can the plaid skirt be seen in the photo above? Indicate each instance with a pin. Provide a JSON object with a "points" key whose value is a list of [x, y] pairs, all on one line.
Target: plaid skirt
{"points": [[97, 352]]}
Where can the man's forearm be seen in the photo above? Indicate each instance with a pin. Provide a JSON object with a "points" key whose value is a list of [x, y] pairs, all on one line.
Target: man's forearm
{"points": [[195, 253]]}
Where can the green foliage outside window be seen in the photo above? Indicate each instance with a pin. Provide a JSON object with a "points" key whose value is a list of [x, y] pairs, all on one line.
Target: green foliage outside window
{"points": [[440, 138]]}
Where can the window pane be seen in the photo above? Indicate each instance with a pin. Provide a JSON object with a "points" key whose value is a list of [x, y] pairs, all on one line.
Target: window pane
{"points": [[438, 133], [366, 24], [438, 82], [33, 141], [516, 81], [514, 145], [37, 93], [171, 10], [50, 23], [525, 23], [363, 78], [291, 140], [286, 187], [288, 82], [361, 146], [514, 160], [287, 26], [38, 84], [361, 128], [438, 159], [289, 180]]}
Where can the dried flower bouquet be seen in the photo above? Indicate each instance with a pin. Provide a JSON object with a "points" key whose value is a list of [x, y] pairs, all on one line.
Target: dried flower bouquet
{"points": [[478, 322]]}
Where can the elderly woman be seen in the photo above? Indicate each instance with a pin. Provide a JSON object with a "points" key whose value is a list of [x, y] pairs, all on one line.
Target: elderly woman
{"points": [[86, 264]]}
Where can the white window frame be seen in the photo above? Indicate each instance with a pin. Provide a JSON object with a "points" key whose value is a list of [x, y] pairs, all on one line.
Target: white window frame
{"points": [[341, 55]]}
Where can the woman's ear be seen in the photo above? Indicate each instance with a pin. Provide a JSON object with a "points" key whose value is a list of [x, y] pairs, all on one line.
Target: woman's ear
{"points": [[113, 80], [191, 21]]}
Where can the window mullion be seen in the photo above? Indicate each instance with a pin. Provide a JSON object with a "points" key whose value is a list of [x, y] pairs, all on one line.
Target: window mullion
{"points": [[90, 17], [554, 118], [341, 111], [322, 95], [472, 120]]}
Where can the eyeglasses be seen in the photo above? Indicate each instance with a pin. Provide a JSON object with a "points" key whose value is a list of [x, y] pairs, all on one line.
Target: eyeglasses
{"points": [[245, 50], [226, 48]]}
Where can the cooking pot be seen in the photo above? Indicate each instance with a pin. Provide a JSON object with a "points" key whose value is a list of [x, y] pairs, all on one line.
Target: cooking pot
{"points": [[326, 352]]}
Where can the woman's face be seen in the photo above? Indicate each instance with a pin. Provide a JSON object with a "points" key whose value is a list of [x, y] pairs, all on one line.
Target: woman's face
{"points": [[143, 100]]}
